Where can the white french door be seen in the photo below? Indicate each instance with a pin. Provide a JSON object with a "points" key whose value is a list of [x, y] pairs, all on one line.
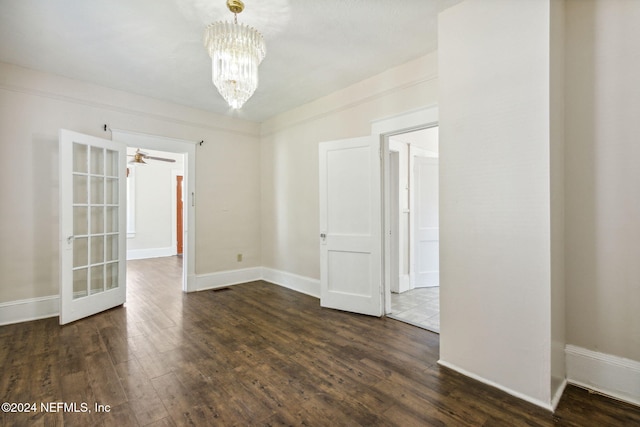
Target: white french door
{"points": [[92, 225], [350, 226]]}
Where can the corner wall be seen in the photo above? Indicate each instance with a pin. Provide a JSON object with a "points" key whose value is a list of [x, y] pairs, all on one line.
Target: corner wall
{"points": [[290, 192], [603, 195], [34, 105], [557, 189], [495, 211]]}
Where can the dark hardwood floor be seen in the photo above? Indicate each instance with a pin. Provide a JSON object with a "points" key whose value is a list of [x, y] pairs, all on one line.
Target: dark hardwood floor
{"points": [[253, 354]]}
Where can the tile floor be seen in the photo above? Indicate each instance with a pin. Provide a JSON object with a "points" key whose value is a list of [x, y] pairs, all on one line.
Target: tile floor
{"points": [[419, 307]]}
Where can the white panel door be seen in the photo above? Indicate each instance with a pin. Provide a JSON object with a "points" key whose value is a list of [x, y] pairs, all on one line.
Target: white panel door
{"points": [[350, 226], [92, 225], [426, 222]]}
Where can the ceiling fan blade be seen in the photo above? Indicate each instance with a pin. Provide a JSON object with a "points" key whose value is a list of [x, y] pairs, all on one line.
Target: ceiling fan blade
{"points": [[162, 159]]}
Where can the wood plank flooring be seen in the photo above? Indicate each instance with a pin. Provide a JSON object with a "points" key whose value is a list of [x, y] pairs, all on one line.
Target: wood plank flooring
{"points": [[253, 354]]}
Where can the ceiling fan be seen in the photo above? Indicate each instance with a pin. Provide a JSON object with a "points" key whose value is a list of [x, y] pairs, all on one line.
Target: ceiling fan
{"points": [[140, 156]]}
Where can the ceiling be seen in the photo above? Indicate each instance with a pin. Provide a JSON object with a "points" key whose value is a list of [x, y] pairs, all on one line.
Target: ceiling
{"points": [[154, 47]]}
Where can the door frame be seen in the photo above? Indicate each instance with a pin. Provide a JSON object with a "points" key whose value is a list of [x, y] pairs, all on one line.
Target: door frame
{"points": [[188, 149], [177, 210], [383, 129], [394, 219]]}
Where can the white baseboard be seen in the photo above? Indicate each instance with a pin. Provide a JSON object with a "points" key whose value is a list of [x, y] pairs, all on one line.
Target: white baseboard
{"points": [[302, 284], [558, 394], [507, 390], [610, 375], [43, 307], [227, 278], [29, 309], [150, 253]]}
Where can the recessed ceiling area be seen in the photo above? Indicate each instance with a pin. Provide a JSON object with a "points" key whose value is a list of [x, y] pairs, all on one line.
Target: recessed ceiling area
{"points": [[154, 47]]}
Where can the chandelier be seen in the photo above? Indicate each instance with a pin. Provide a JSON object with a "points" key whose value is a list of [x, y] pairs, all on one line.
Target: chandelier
{"points": [[236, 50]]}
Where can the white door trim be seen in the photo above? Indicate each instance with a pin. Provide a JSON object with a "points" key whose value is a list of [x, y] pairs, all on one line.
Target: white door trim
{"points": [[382, 129], [188, 149]]}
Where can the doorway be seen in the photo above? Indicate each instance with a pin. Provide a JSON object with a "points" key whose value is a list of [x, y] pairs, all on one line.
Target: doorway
{"points": [[154, 210], [180, 149], [355, 248], [412, 254]]}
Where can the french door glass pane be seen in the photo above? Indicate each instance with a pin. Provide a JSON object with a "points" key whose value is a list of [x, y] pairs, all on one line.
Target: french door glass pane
{"points": [[97, 219], [97, 249], [112, 219], [112, 248], [111, 191], [80, 252], [97, 279], [80, 283], [111, 163], [97, 190], [111, 281], [80, 158], [97, 161], [80, 190], [80, 220]]}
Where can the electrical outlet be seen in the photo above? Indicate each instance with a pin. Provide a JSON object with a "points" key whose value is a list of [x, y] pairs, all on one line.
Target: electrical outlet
{"points": [[239, 257]]}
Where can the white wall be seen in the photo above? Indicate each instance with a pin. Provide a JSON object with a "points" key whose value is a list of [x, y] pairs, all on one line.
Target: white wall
{"points": [[154, 197], [290, 222], [494, 74], [557, 206], [603, 177], [34, 105]]}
